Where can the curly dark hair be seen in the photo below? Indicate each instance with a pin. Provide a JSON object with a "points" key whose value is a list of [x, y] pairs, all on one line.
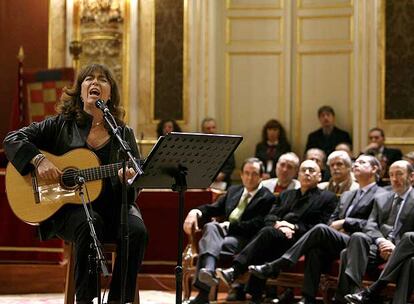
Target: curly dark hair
{"points": [[71, 105], [274, 124], [160, 126]]}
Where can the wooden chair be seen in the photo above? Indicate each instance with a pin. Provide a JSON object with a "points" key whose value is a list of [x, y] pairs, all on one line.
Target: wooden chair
{"points": [[70, 272]]}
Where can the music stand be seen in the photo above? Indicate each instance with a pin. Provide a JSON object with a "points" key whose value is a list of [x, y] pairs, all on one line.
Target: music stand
{"points": [[181, 161]]}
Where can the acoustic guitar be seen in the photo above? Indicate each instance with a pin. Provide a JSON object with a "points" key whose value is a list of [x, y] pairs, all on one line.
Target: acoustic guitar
{"points": [[34, 199]]}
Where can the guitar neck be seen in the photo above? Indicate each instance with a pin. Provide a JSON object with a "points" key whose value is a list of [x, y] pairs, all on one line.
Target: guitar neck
{"points": [[101, 172]]}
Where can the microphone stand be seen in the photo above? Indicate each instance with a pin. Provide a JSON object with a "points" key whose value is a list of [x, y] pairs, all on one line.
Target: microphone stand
{"points": [[99, 258], [124, 206]]}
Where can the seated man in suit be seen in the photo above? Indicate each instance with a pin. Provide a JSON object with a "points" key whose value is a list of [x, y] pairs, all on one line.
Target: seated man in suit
{"points": [[323, 243], [294, 213], [244, 208], [286, 169], [399, 269], [341, 180], [223, 179], [385, 155], [392, 216]]}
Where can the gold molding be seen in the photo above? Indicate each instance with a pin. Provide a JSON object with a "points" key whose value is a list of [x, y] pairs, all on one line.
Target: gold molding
{"points": [[382, 71], [186, 65], [254, 42], [126, 58], [159, 262], [300, 5], [152, 72], [301, 41], [229, 6]]}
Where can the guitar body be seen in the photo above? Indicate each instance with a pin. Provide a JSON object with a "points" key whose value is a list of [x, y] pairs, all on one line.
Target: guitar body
{"points": [[34, 208]]}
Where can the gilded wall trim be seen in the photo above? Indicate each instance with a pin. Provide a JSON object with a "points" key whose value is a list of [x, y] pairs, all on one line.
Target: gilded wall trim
{"points": [[255, 4], [324, 4]]}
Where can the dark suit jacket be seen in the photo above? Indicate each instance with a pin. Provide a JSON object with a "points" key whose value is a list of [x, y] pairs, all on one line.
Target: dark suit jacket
{"points": [[307, 210], [317, 139], [357, 219], [252, 219], [377, 226]]}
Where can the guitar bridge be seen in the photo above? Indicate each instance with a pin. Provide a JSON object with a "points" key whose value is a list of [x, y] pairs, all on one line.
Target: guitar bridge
{"points": [[35, 187]]}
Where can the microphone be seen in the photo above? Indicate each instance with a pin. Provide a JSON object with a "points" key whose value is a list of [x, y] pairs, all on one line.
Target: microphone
{"points": [[100, 104]]}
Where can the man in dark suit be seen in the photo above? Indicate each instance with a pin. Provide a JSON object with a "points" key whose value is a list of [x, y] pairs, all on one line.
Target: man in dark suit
{"points": [[399, 269], [392, 216], [328, 136], [244, 208], [385, 155], [294, 213], [323, 243]]}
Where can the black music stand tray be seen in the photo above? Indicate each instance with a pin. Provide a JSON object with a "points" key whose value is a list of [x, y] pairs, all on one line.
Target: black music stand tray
{"points": [[181, 161]]}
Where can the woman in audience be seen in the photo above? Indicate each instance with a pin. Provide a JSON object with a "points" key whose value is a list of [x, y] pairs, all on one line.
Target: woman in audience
{"points": [[166, 126], [274, 143]]}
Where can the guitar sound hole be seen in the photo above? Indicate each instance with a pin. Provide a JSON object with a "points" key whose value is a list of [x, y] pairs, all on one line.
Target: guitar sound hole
{"points": [[68, 178]]}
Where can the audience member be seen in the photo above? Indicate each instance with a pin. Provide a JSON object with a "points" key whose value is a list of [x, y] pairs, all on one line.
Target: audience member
{"points": [[274, 143], [390, 219], [323, 243], [223, 179], [399, 269], [286, 170], [293, 214], [244, 208], [166, 126], [318, 156], [341, 180], [385, 155], [345, 147], [328, 136]]}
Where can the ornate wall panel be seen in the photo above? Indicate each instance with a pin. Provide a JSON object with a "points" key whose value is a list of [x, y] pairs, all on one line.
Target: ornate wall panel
{"points": [[255, 61], [399, 60], [319, 29], [248, 29], [255, 81], [324, 3], [169, 47], [258, 4], [394, 48], [324, 65]]}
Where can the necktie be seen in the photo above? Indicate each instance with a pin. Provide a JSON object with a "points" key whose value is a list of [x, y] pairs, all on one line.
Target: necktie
{"points": [[394, 210], [236, 214], [393, 218], [355, 202]]}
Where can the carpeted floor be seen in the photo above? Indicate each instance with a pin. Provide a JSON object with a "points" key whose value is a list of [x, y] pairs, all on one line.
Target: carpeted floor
{"points": [[146, 297]]}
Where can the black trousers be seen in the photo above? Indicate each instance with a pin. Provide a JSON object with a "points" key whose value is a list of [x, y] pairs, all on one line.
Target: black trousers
{"points": [[269, 244], [360, 255], [400, 269], [75, 229], [216, 242], [320, 245]]}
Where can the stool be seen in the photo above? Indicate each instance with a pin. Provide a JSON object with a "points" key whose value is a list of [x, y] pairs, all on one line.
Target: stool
{"points": [[70, 272]]}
